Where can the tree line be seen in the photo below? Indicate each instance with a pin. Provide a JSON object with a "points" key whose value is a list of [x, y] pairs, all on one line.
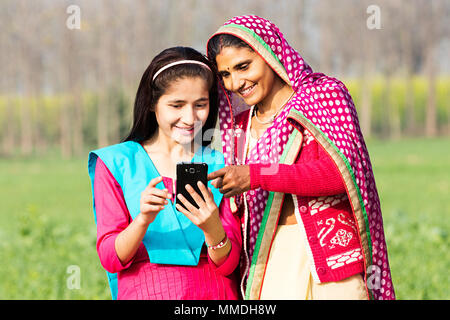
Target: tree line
{"points": [[73, 88]]}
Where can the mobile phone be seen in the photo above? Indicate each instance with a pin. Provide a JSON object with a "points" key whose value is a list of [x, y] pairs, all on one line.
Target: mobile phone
{"points": [[190, 173]]}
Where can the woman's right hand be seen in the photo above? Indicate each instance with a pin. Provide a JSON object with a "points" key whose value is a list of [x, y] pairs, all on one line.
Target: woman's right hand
{"points": [[231, 180], [153, 201]]}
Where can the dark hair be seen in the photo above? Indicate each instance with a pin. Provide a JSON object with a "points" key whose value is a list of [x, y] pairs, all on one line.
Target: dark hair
{"points": [[220, 41], [149, 91]]}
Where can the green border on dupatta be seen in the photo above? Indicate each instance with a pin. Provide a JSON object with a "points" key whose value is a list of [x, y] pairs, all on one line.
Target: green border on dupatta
{"points": [[258, 45], [349, 168], [262, 228], [257, 37]]}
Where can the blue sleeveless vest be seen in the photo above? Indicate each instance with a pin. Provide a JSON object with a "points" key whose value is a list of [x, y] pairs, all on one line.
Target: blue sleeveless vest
{"points": [[171, 238]]}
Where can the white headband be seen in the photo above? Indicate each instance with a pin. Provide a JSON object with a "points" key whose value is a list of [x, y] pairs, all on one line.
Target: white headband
{"points": [[179, 62]]}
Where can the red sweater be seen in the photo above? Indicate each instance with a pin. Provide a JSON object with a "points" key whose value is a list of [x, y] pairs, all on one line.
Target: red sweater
{"points": [[315, 172], [323, 205]]}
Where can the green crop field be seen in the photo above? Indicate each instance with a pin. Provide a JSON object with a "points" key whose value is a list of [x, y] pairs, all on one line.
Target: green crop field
{"points": [[413, 181], [47, 229]]}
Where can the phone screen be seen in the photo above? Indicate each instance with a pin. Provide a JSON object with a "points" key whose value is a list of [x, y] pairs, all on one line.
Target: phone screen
{"points": [[190, 173]]}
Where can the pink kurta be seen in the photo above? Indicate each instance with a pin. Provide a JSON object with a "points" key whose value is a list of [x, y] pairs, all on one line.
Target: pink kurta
{"points": [[141, 279]]}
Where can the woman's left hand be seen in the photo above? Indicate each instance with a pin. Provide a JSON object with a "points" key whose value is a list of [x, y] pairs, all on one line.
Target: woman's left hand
{"points": [[206, 217], [231, 180]]}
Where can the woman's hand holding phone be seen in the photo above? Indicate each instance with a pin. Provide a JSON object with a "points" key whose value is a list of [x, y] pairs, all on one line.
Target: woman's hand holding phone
{"points": [[206, 217], [153, 201]]}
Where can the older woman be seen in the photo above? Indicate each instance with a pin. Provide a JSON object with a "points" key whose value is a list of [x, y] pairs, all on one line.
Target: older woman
{"points": [[298, 170]]}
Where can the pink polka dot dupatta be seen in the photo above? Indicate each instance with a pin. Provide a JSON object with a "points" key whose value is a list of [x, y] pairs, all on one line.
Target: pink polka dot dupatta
{"points": [[323, 106]]}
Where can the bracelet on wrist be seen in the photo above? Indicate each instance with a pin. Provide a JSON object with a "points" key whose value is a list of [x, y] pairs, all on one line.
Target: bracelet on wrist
{"points": [[221, 244]]}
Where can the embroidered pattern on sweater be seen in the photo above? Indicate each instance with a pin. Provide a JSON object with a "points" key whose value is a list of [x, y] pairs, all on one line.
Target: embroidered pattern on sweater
{"points": [[337, 231], [325, 230], [341, 238], [321, 203], [345, 258]]}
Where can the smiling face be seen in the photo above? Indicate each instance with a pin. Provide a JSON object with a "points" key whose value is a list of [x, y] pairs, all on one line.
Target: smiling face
{"points": [[183, 109], [244, 72]]}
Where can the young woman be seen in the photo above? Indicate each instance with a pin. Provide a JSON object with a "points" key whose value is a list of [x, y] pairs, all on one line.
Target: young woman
{"points": [[150, 247], [298, 170]]}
